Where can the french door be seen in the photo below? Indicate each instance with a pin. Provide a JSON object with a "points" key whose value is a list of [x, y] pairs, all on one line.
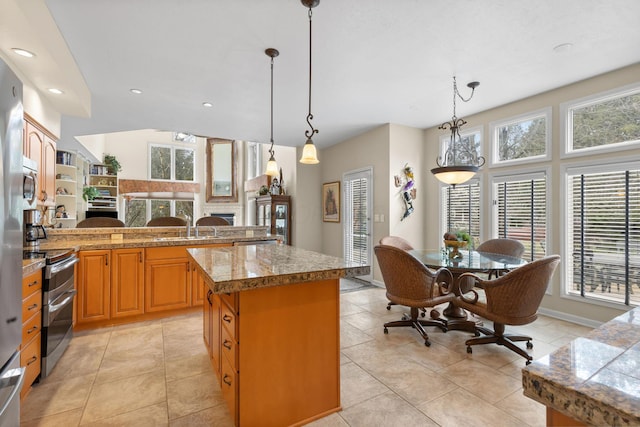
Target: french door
{"points": [[357, 208]]}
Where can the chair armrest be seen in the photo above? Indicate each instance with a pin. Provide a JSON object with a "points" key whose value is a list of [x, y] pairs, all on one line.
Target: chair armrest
{"points": [[444, 280]]}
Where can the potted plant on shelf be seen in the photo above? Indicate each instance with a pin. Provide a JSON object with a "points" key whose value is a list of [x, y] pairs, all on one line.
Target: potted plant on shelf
{"points": [[89, 193], [113, 163]]}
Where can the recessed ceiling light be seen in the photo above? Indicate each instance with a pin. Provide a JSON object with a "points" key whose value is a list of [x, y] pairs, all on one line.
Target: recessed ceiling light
{"points": [[136, 91], [23, 52], [207, 104], [55, 91], [563, 48]]}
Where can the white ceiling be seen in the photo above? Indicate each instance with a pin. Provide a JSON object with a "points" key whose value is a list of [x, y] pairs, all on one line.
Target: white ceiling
{"points": [[374, 62]]}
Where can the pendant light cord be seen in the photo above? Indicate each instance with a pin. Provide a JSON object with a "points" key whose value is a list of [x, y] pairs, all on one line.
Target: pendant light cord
{"points": [[271, 149], [313, 131]]}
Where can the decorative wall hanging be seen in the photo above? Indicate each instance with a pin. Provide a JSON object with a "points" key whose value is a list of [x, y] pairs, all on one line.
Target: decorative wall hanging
{"points": [[331, 202], [408, 189]]}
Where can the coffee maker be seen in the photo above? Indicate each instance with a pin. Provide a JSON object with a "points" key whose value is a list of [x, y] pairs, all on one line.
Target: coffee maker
{"points": [[33, 229]]}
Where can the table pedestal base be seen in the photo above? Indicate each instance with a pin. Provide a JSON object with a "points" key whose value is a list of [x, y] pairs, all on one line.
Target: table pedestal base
{"points": [[459, 320]]}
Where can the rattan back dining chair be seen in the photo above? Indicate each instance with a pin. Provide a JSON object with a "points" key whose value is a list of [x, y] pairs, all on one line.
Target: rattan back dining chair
{"points": [[400, 243], [167, 221], [511, 299], [509, 247], [99, 221], [212, 220], [412, 284]]}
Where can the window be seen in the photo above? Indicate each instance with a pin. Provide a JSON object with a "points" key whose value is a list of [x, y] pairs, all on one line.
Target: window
{"points": [[522, 138], [254, 159], [604, 122], [520, 211], [461, 209], [171, 163], [603, 232], [138, 212]]}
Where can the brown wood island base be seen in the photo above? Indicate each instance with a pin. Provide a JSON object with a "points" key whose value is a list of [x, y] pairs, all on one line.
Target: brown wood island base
{"points": [[272, 329]]}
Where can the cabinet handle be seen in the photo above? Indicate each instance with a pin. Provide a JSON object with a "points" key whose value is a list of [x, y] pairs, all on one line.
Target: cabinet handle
{"points": [[32, 329], [35, 282], [226, 379], [106, 260], [209, 293], [32, 306], [45, 196], [140, 256], [227, 344], [33, 359], [227, 318]]}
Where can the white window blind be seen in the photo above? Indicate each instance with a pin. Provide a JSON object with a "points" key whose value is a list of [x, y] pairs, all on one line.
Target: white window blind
{"points": [[461, 209], [521, 212], [356, 240], [604, 234]]}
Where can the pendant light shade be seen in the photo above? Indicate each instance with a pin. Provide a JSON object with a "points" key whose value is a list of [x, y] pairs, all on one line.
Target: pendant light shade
{"points": [[309, 154], [272, 166], [460, 161]]}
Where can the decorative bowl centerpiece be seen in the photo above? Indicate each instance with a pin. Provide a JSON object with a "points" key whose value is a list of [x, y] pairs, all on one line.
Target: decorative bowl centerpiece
{"points": [[453, 247]]}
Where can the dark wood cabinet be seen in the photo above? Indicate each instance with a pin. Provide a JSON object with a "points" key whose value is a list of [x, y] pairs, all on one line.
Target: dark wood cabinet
{"points": [[275, 212]]}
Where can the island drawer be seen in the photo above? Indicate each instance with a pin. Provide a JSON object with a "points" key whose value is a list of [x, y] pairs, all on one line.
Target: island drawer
{"points": [[229, 348], [229, 385], [31, 283], [166, 252], [31, 305], [228, 320], [231, 300]]}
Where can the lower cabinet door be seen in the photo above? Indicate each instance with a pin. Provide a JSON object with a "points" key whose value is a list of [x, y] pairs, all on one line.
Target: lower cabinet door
{"points": [[167, 285], [229, 386], [127, 282], [94, 286]]}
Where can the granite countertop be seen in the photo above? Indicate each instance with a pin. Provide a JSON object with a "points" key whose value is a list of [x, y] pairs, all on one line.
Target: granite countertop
{"points": [[239, 268], [32, 265], [594, 379], [144, 242]]}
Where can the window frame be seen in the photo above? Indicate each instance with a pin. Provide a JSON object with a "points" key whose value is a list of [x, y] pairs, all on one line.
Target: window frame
{"points": [[494, 160], [173, 148], [521, 175], [589, 166], [566, 123]]}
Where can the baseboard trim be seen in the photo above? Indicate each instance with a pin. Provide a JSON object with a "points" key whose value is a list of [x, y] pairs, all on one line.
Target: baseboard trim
{"points": [[570, 318]]}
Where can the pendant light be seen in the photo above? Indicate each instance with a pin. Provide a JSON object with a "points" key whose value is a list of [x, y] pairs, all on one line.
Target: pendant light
{"points": [[272, 166], [309, 155], [460, 162]]}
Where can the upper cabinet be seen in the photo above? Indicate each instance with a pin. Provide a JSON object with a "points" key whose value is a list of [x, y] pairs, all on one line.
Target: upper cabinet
{"points": [[40, 145]]}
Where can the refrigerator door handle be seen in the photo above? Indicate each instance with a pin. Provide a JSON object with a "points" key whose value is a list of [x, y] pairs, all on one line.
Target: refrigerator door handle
{"points": [[13, 378]]}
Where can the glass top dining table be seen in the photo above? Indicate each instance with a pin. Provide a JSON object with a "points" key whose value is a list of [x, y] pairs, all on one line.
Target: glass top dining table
{"points": [[471, 262]]}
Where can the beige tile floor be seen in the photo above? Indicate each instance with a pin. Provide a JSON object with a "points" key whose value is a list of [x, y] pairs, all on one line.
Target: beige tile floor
{"points": [[158, 374]]}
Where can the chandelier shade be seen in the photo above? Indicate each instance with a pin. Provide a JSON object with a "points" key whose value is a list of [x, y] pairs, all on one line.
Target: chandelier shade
{"points": [[309, 153], [460, 161]]}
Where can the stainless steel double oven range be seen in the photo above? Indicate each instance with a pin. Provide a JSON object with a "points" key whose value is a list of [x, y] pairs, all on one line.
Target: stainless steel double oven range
{"points": [[58, 293]]}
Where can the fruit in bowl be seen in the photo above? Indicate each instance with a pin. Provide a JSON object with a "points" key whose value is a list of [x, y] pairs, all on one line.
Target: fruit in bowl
{"points": [[453, 244]]}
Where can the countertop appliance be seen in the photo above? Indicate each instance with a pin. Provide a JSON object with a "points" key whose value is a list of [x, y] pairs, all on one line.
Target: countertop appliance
{"points": [[11, 125], [33, 230]]}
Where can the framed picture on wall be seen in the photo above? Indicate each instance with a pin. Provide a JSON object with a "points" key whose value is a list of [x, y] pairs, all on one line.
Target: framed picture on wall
{"points": [[331, 202]]}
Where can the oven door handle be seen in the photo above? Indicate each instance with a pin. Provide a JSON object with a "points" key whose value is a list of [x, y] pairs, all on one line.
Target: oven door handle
{"points": [[55, 307], [58, 267]]}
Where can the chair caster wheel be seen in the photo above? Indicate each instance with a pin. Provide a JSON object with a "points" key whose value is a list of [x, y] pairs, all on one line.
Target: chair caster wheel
{"points": [[423, 314], [469, 349], [427, 343], [386, 331], [389, 307], [529, 345], [476, 334], [528, 362]]}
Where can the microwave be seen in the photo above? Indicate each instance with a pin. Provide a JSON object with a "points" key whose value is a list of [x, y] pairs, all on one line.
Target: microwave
{"points": [[29, 183]]}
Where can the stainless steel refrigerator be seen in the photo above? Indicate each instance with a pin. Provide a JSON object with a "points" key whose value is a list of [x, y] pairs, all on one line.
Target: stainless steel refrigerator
{"points": [[11, 124]]}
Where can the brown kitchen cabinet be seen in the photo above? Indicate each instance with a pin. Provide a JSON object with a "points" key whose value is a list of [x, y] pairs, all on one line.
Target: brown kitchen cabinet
{"points": [[31, 324], [211, 329], [275, 212], [94, 286], [127, 282], [40, 145]]}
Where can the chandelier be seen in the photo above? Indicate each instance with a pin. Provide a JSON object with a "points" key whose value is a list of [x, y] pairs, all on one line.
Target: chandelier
{"points": [[272, 166], [309, 154], [460, 161]]}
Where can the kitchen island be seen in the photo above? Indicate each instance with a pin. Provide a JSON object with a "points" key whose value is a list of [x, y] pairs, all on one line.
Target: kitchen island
{"points": [[272, 330], [594, 380]]}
